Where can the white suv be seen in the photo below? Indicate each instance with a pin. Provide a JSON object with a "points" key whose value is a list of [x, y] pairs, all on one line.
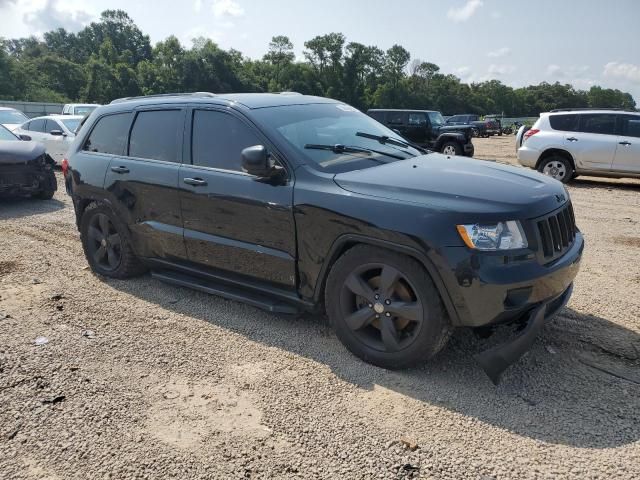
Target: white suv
{"points": [[566, 143]]}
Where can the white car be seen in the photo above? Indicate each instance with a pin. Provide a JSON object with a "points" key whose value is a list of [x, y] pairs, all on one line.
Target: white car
{"points": [[56, 132], [12, 118], [79, 108], [566, 143]]}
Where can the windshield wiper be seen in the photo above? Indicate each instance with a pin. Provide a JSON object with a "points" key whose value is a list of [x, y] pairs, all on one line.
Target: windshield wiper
{"points": [[385, 140], [339, 148]]}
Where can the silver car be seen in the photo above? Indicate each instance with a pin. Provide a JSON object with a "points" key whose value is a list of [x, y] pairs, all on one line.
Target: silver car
{"points": [[566, 143], [56, 132], [12, 118], [79, 108]]}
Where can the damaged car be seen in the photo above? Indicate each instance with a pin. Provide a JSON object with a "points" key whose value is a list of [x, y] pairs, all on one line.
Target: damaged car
{"points": [[25, 167]]}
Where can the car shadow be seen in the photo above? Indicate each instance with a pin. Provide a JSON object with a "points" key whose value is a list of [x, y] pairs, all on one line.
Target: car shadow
{"points": [[15, 207], [582, 367], [632, 185]]}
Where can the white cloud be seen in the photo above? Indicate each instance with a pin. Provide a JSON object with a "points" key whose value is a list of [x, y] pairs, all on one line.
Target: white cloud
{"points": [[55, 14], [227, 8], [463, 71], [465, 12], [554, 70], [623, 71], [501, 52], [197, 6], [496, 15], [499, 70]]}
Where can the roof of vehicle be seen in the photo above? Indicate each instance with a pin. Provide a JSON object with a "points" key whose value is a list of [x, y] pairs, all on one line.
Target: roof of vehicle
{"points": [[82, 105], [401, 110], [590, 110], [57, 116], [9, 108], [248, 100]]}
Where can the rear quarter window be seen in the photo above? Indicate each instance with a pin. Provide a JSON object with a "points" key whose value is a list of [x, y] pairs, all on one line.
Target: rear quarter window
{"points": [[564, 123], [109, 134]]}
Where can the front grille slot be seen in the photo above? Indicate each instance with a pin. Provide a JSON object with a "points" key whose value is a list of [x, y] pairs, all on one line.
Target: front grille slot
{"points": [[557, 231]]}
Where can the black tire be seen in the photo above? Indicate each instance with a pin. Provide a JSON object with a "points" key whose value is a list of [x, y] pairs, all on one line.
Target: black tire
{"points": [[106, 244], [44, 194], [558, 167], [388, 341], [451, 148]]}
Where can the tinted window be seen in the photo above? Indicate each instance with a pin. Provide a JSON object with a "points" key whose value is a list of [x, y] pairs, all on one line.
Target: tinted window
{"points": [[436, 118], [417, 119], [53, 125], [598, 123], [395, 118], [631, 126], [109, 134], [38, 125], [155, 135], [455, 119], [565, 123], [379, 116], [218, 140]]}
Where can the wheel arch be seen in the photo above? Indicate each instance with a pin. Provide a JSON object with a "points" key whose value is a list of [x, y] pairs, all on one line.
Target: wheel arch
{"points": [[550, 152], [345, 242]]}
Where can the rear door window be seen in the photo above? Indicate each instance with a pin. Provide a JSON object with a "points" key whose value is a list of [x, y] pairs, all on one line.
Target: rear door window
{"points": [[218, 140], [631, 126], [395, 118], [417, 119], [155, 135], [603, 123], [565, 123], [109, 134]]}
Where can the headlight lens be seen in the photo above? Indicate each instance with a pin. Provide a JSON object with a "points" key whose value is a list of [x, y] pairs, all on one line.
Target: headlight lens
{"points": [[498, 236]]}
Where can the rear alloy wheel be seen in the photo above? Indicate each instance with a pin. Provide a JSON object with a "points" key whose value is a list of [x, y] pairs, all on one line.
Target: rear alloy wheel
{"points": [[106, 244], [557, 167], [385, 308], [451, 149]]}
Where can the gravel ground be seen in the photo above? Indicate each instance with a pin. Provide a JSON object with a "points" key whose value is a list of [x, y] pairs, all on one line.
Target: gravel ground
{"points": [[144, 380]]}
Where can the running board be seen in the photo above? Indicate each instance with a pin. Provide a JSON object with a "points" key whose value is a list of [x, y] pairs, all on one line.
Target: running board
{"points": [[226, 291]]}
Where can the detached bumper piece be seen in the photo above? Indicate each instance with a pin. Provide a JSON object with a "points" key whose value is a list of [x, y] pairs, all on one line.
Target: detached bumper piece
{"points": [[497, 359]]}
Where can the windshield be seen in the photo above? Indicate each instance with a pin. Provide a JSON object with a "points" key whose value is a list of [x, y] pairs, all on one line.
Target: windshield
{"points": [[6, 134], [71, 123], [330, 125], [436, 119], [12, 116], [83, 110]]}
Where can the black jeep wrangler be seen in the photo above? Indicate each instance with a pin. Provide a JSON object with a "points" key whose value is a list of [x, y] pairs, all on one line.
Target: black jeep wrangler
{"points": [[290, 203], [25, 168], [427, 129]]}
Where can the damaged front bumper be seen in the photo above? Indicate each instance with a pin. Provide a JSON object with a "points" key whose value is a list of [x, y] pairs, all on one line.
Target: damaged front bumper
{"points": [[497, 359]]}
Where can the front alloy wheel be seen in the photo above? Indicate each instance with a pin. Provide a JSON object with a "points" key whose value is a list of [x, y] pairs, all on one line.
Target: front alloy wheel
{"points": [[381, 308], [385, 308]]}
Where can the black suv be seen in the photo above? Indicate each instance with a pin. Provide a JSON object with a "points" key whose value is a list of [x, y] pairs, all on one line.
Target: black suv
{"points": [[427, 129], [291, 203]]}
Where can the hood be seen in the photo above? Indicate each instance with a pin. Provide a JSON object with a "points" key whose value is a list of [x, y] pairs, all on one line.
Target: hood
{"points": [[15, 152], [11, 126], [461, 185]]}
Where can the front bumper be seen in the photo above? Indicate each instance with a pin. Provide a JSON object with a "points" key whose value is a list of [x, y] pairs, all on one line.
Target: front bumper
{"points": [[496, 360], [487, 289]]}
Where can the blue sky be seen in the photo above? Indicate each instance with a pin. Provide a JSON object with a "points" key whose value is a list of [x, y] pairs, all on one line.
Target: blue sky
{"points": [[583, 42]]}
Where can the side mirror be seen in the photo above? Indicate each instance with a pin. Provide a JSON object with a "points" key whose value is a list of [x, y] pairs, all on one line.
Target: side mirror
{"points": [[24, 137], [57, 133], [255, 161]]}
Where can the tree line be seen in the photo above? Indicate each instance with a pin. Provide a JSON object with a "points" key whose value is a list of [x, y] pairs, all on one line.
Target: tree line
{"points": [[113, 58]]}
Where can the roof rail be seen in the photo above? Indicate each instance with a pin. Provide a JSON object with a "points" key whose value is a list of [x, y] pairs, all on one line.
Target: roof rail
{"points": [[590, 108], [161, 95]]}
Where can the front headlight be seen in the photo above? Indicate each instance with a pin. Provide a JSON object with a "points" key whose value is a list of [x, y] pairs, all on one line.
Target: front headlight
{"points": [[498, 236]]}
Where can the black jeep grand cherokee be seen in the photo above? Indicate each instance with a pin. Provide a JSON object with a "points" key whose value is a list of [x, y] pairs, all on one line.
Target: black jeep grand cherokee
{"points": [[290, 203]]}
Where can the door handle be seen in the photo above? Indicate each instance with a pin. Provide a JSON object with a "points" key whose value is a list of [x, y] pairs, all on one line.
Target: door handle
{"points": [[572, 139], [196, 182], [120, 169], [625, 143]]}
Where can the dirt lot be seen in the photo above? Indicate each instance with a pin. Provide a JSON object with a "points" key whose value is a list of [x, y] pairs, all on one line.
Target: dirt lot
{"points": [[144, 380]]}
